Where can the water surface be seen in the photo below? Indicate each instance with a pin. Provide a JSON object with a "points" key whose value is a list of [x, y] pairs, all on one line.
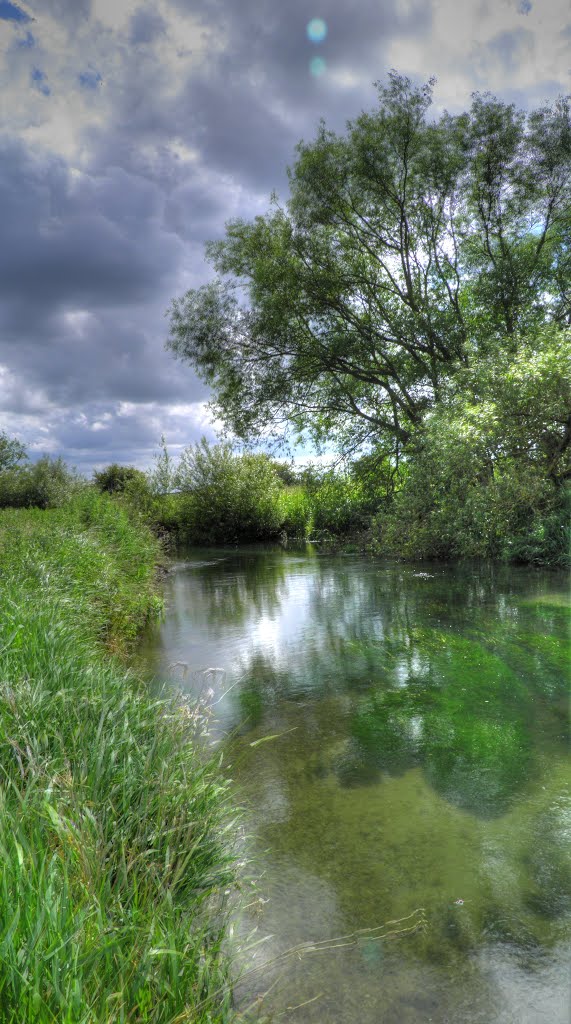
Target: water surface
{"points": [[399, 736]]}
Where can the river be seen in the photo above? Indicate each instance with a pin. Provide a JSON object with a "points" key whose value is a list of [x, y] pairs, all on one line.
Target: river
{"points": [[399, 736]]}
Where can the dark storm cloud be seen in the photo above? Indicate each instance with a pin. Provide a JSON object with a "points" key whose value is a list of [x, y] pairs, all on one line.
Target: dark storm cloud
{"points": [[262, 27], [86, 270], [236, 130], [175, 130], [79, 241], [197, 211], [81, 357], [267, 66], [247, 104]]}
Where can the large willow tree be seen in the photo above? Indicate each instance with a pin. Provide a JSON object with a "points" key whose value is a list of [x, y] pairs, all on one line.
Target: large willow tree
{"points": [[410, 248]]}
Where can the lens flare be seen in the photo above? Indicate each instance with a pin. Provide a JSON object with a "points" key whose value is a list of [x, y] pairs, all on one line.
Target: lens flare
{"points": [[316, 30], [317, 66]]}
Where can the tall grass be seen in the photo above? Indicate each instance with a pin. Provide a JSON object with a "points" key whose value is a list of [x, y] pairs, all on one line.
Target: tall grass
{"points": [[112, 826], [296, 512]]}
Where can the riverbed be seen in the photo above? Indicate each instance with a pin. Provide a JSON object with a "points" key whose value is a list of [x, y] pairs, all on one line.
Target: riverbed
{"points": [[399, 736]]}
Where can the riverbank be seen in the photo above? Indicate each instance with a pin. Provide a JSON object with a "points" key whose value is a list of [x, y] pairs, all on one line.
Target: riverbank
{"points": [[112, 826]]}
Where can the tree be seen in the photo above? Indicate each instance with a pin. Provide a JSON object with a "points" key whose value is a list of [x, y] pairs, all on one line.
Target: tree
{"points": [[163, 477], [409, 249], [489, 475], [12, 451], [47, 483], [115, 479]]}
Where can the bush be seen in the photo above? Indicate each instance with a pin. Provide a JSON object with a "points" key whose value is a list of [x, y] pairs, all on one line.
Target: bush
{"points": [[229, 497], [339, 505], [115, 479], [489, 473], [286, 472], [47, 483]]}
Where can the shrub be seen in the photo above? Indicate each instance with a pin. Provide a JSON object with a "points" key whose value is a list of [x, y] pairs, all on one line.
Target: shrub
{"points": [[230, 497], [47, 483], [286, 472], [459, 499], [339, 504], [115, 479]]}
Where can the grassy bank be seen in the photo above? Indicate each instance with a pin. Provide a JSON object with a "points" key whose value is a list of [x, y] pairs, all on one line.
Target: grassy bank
{"points": [[111, 825]]}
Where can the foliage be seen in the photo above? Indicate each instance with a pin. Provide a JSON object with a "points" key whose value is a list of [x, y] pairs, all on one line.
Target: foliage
{"points": [[339, 504], [115, 478], [410, 306], [296, 512], [409, 249], [230, 497], [286, 472], [12, 451], [111, 823], [487, 477], [163, 477], [47, 483]]}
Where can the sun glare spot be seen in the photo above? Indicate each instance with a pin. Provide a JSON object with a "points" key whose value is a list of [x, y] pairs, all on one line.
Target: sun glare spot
{"points": [[317, 66], [316, 30]]}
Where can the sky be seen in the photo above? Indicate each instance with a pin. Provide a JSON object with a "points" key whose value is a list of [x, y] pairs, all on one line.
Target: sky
{"points": [[132, 131]]}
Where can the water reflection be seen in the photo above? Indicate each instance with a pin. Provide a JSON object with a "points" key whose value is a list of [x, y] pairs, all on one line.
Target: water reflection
{"points": [[420, 759]]}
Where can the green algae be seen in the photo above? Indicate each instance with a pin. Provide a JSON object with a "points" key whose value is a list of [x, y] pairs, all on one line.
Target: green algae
{"points": [[420, 759]]}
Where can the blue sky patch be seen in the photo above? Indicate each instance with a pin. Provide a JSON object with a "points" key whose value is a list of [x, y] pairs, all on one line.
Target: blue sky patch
{"points": [[40, 80], [26, 42], [11, 12], [89, 79]]}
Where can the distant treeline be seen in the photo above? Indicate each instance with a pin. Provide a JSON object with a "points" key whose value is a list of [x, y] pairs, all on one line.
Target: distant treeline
{"points": [[474, 488]]}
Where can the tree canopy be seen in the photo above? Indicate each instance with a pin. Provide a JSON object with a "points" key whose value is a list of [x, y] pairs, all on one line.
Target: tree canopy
{"points": [[12, 451], [411, 248]]}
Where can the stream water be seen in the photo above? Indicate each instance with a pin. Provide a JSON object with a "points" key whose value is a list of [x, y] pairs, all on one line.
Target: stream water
{"points": [[400, 739]]}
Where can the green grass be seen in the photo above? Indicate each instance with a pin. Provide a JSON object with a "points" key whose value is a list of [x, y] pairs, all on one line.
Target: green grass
{"points": [[114, 832], [296, 512]]}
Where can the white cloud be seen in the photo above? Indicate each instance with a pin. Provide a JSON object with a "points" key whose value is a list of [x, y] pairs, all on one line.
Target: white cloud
{"points": [[489, 46], [156, 124]]}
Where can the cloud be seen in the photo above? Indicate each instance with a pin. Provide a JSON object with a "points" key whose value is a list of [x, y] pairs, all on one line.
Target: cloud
{"points": [[133, 130], [71, 13], [484, 46], [79, 240], [86, 272], [146, 26]]}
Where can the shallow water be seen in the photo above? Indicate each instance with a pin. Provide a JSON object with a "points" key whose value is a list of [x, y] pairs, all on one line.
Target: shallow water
{"points": [[400, 738]]}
